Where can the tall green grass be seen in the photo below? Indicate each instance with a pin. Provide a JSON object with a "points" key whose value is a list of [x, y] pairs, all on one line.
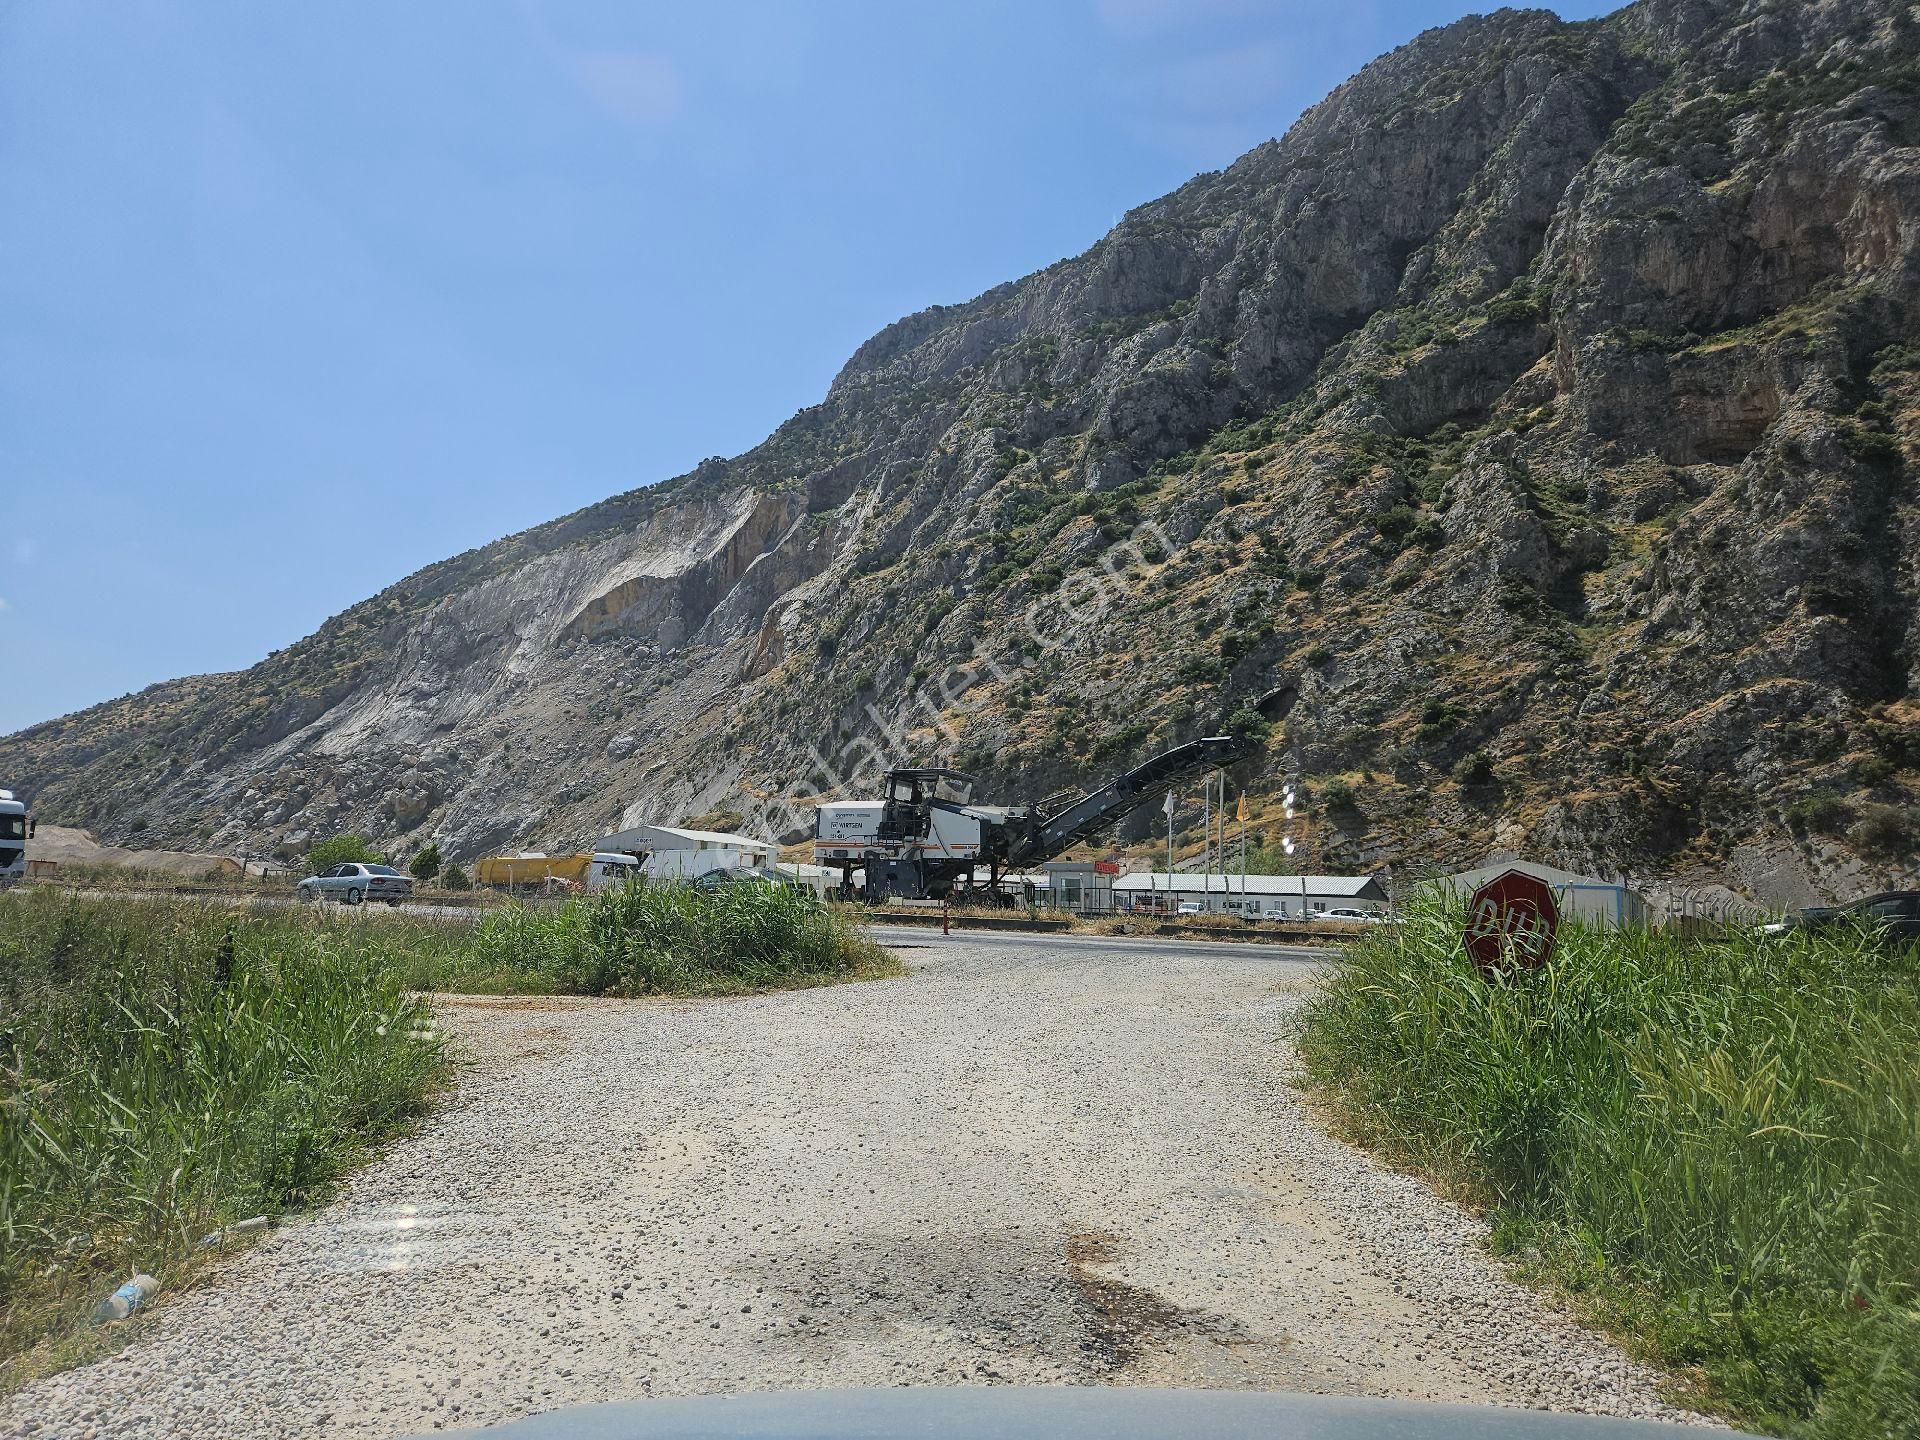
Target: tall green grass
{"points": [[654, 939], [167, 1066], [1716, 1143]]}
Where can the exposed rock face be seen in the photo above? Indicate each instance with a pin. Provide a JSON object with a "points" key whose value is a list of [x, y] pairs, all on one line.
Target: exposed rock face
{"points": [[1524, 440]]}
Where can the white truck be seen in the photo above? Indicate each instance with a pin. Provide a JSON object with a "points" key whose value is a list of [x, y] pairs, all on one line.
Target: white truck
{"points": [[15, 830]]}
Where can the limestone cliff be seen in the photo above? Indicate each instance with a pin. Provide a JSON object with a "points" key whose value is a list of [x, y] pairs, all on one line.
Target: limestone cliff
{"points": [[1520, 449]]}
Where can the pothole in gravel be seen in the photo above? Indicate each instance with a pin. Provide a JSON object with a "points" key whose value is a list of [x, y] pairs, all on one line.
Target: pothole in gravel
{"points": [[1125, 1321]]}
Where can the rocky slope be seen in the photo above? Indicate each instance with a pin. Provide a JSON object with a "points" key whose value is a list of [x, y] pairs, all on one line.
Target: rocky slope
{"points": [[1521, 449]]}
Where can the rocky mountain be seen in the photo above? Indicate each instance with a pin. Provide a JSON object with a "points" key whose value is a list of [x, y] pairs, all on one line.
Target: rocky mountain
{"points": [[1521, 450]]}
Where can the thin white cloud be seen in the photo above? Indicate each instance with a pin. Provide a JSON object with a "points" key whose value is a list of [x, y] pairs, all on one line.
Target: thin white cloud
{"points": [[25, 550], [631, 86], [3, 602]]}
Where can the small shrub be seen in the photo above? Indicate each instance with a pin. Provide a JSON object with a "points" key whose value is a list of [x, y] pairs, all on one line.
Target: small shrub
{"points": [[1437, 718], [426, 864], [1200, 670], [1395, 522], [454, 878], [1319, 655], [1520, 305], [1888, 831], [1871, 771], [1870, 447], [1518, 597], [1475, 769], [1116, 743], [1248, 723], [342, 850], [1236, 643], [1337, 794], [1823, 813]]}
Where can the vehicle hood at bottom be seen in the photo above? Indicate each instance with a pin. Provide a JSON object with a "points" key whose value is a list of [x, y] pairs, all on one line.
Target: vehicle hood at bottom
{"points": [[1075, 1412]]}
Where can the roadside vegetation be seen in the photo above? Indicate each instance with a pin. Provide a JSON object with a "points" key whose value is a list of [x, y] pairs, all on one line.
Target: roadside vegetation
{"points": [[169, 1066], [1713, 1146], [653, 940]]}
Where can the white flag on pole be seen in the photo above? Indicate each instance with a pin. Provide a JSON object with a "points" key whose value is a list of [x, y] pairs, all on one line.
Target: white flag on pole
{"points": [[1168, 804]]}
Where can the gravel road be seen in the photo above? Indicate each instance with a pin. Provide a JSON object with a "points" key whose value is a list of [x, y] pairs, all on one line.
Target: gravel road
{"points": [[1021, 1163]]}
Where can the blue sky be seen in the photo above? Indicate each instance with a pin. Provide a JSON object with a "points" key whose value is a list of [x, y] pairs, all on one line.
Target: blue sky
{"points": [[295, 299]]}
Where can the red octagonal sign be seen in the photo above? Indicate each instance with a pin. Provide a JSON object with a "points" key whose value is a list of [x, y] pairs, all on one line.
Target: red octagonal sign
{"points": [[1511, 922]]}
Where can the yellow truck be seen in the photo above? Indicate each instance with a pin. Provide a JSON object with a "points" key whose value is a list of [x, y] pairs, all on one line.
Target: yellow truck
{"points": [[541, 872]]}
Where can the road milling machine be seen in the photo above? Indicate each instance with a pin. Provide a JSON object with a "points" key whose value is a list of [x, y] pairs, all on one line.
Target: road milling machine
{"points": [[928, 840]]}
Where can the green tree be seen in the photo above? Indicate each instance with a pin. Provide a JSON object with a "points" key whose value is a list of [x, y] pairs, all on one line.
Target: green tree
{"points": [[426, 864], [341, 850], [454, 878]]}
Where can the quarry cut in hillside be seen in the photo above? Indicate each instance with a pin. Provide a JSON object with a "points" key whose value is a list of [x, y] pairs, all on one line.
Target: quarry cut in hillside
{"points": [[1519, 450]]}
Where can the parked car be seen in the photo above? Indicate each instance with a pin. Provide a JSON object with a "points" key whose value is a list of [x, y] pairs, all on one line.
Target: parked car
{"points": [[1351, 915], [356, 882], [1191, 907], [1894, 913]]}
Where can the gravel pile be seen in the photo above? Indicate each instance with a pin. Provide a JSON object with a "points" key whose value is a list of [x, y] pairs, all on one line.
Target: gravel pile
{"points": [[1027, 1162]]}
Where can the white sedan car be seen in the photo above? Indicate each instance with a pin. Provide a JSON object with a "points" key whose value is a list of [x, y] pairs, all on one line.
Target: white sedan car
{"points": [[1351, 915], [355, 883]]}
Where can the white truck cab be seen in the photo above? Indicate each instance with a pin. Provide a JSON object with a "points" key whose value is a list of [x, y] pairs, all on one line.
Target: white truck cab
{"points": [[14, 832], [608, 870]]}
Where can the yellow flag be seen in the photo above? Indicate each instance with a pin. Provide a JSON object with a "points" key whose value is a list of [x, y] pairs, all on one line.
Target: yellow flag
{"points": [[1240, 812]]}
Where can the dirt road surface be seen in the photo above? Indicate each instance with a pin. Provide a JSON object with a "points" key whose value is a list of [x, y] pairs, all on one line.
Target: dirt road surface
{"points": [[1028, 1161]]}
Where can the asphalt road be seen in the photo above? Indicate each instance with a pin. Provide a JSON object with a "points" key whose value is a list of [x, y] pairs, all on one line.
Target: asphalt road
{"points": [[1288, 959], [1033, 1159]]}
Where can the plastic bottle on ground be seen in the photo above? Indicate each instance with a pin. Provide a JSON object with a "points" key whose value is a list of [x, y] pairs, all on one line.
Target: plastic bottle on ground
{"points": [[127, 1299]]}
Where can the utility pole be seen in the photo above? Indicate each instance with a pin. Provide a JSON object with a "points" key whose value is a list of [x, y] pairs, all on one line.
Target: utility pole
{"points": [[1242, 811], [1206, 844], [1168, 807]]}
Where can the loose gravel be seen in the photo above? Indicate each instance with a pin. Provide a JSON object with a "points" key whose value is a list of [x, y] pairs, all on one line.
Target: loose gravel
{"points": [[1032, 1163]]}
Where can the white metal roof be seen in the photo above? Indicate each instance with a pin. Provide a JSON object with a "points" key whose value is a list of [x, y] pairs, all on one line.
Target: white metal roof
{"points": [[1324, 887], [691, 839], [713, 837], [1553, 875]]}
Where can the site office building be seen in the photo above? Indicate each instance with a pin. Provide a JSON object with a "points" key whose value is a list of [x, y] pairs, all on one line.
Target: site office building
{"points": [[1279, 897], [668, 853]]}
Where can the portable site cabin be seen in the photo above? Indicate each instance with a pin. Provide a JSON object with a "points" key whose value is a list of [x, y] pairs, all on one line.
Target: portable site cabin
{"points": [[822, 880], [668, 853], [1082, 885], [1266, 897], [1586, 898]]}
